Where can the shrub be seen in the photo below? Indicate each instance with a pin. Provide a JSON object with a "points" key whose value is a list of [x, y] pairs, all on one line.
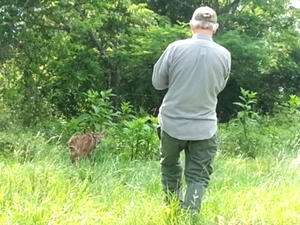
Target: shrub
{"points": [[130, 134]]}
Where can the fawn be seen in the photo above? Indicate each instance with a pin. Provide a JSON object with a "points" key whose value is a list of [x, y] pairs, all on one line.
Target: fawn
{"points": [[81, 145]]}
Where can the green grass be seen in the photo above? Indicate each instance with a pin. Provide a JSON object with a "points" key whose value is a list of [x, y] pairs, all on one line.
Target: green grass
{"points": [[242, 191], [39, 185], [247, 191]]}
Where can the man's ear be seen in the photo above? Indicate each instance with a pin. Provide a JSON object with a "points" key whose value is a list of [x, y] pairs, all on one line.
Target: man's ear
{"points": [[215, 28], [191, 26]]}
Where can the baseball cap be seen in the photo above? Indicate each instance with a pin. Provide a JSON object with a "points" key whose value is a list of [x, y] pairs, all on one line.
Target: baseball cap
{"points": [[205, 13]]}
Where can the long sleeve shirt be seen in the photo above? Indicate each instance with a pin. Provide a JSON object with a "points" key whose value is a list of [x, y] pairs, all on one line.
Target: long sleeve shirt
{"points": [[194, 71]]}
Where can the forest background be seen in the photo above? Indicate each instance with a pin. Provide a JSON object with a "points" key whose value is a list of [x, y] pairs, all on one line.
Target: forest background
{"points": [[66, 66], [54, 52]]}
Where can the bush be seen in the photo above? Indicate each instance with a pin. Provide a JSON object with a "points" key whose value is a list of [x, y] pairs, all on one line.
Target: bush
{"points": [[130, 134]]}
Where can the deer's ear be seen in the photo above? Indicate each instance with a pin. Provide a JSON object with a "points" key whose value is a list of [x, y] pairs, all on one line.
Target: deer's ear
{"points": [[104, 133], [94, 134]]}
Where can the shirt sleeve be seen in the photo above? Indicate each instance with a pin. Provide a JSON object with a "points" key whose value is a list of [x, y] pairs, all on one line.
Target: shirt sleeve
{"points": [[227, 73], [160, 76]]}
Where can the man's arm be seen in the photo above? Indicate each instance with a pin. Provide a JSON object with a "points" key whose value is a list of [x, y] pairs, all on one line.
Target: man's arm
{"points": [[160, 76], [227, 73]]}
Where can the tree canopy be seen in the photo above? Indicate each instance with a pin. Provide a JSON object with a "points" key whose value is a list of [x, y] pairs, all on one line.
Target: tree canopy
{"points": [[53, 52]]}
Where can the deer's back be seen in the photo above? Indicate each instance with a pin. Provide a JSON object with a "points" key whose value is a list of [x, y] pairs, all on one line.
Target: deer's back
{"points": [[82, 144]]}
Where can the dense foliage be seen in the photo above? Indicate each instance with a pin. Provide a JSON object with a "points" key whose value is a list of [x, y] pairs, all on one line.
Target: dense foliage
{"points": [[39, 185], [54, 52], [67, 66]]}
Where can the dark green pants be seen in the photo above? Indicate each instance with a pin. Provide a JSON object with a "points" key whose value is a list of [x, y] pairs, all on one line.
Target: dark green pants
{"points": [[199, 156]]}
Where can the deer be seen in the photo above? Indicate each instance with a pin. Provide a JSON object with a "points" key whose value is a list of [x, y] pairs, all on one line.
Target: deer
{"points": [[84, 145]]}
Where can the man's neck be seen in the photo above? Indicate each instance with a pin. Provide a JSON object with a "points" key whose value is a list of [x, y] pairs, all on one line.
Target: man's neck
{"points": [[201, 31]]}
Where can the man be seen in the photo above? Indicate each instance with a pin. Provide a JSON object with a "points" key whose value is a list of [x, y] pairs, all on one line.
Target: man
{"points": [[194, 71]]}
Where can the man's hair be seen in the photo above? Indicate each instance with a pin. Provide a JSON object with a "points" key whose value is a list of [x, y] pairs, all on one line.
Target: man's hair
{"points": [[204, 25]]}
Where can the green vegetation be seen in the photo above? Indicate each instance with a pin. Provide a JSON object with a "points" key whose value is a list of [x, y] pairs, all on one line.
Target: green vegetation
{"points": [[54, 52], [68, 66], [47, 189], [255, 182]]}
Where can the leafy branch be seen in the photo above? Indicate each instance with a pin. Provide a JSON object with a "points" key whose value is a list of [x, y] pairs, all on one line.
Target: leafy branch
{"points": [[247, 116]]}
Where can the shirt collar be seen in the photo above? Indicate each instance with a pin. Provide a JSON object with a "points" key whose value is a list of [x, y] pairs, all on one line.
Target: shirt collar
{"points": [[203, 36]]}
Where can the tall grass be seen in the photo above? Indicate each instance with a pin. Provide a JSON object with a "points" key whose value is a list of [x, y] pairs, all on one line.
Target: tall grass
{"points": [[46, 189]]}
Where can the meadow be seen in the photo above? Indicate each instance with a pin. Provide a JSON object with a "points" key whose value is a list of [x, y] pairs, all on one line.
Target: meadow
{"points": [[255, 182]]}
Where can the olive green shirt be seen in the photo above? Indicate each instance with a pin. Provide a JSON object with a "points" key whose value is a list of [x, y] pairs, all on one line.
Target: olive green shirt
{"points": [[195, 71]]}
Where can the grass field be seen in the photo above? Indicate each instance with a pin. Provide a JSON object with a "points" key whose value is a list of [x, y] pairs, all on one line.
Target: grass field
{"points": [[47, 190], [51, 191]]}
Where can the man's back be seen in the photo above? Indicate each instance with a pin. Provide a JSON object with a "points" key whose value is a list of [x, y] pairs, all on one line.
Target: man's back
{"points": [[197, 72]]}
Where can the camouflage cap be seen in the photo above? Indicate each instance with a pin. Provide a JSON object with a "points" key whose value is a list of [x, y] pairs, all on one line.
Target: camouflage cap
{"points": [[205, 13]]}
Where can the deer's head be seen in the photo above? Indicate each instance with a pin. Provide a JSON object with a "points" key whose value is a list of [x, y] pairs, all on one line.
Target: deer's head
{"points": [[98, 135]]}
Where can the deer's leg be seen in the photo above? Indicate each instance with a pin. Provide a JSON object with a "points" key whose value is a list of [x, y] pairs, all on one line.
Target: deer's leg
{"points": [[73, 155], [79, 160], [89, 155], [73, 159]]}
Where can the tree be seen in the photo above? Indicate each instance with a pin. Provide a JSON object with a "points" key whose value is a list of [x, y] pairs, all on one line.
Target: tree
{"points": [[53, 52], [263, 39]]}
